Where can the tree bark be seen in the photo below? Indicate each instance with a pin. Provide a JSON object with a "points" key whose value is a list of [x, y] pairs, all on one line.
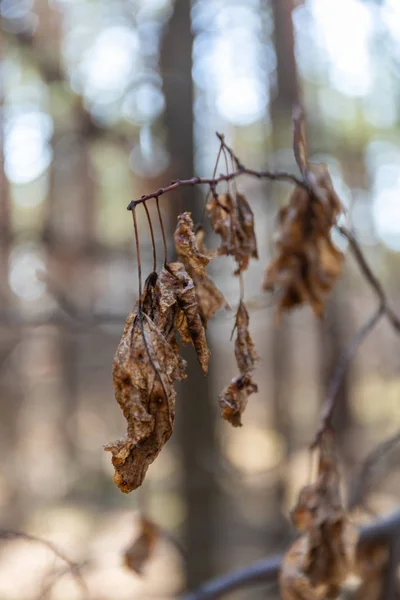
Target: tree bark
{"points": [[195, 414]]}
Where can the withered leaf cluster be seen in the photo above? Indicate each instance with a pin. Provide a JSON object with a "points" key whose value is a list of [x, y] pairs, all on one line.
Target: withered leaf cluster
{"points": [[317, 564], [147, 365], [233, 220], [190, 249], [307, 263], [233, 399], [145, 369], [141, 549]]}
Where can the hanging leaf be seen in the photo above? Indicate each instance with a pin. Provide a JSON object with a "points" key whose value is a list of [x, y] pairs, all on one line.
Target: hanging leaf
{"points": [[233, 220], [307, 263], [140, 551], [177, 290], [186, 247], [245, 353], [372, 563], [144, 370], [233, 399], [191, 252], [317, 564]]}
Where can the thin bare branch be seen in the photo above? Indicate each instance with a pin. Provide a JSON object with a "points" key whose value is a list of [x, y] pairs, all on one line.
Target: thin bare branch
{"points": [[340, 371], [363, 480], [73, 567], [371, 278], [214, 181]]}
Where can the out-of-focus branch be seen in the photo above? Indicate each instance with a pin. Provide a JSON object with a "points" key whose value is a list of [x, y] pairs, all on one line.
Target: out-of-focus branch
{"points": [[340, 371], [385, 530], [363, 480], [73, 567], [370, 277]]}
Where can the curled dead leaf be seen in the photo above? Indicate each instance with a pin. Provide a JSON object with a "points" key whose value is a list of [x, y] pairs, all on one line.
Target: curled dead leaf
{"points": [[233, 220], [144, 370], [233, 399], [178, 292], [140, 551], [307, 263], [186, 246], [191, 252], [245, 352], [318, 563]]}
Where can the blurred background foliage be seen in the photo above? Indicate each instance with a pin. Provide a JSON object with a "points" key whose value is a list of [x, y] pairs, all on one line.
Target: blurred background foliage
{"points": [[101, 102]]}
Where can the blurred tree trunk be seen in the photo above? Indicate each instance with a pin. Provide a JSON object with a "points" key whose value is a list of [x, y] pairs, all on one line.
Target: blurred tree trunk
{"points": [[5, 216], [195, 414], [286, 95]]}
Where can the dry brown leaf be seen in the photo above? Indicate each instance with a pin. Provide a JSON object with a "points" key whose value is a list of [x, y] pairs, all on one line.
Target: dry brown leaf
{"points": [[317, 564], [144, 370], [245, 352], [210, 299], [233, 399], [233, 220], [186, 246], [178, 292], [142, 547], [372, 560], [247, 247], [307, 263], [191, 252]]}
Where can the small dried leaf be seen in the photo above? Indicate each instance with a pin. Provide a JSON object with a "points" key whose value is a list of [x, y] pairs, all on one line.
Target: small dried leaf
{"points": [[178, 288], [140, 551], [233, 220], [245, 352], [317, 564], [372, 561], [191, 252], [186, 246], [307, 264], [210, 299], [144, 370], [233, 399]]}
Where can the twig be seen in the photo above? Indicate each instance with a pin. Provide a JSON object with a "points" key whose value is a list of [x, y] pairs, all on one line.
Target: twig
{"points": [[348, 354], [363, 481], [74, 568], [266, 571], [372, 280], [214, 181], [340, 371]]}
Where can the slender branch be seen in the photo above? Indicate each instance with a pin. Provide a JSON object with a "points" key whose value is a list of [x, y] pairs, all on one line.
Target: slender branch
{"points": [[340, 371], [363, 480], [214, 181], [266, 571], [73, 567], [371, 278]]}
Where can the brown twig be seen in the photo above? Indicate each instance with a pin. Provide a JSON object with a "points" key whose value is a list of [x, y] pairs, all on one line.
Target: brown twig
{"points": [[214, 181], [340, 371], [266, 571], [363, 480], [370, 277], [73, 567], [153, 243]]}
